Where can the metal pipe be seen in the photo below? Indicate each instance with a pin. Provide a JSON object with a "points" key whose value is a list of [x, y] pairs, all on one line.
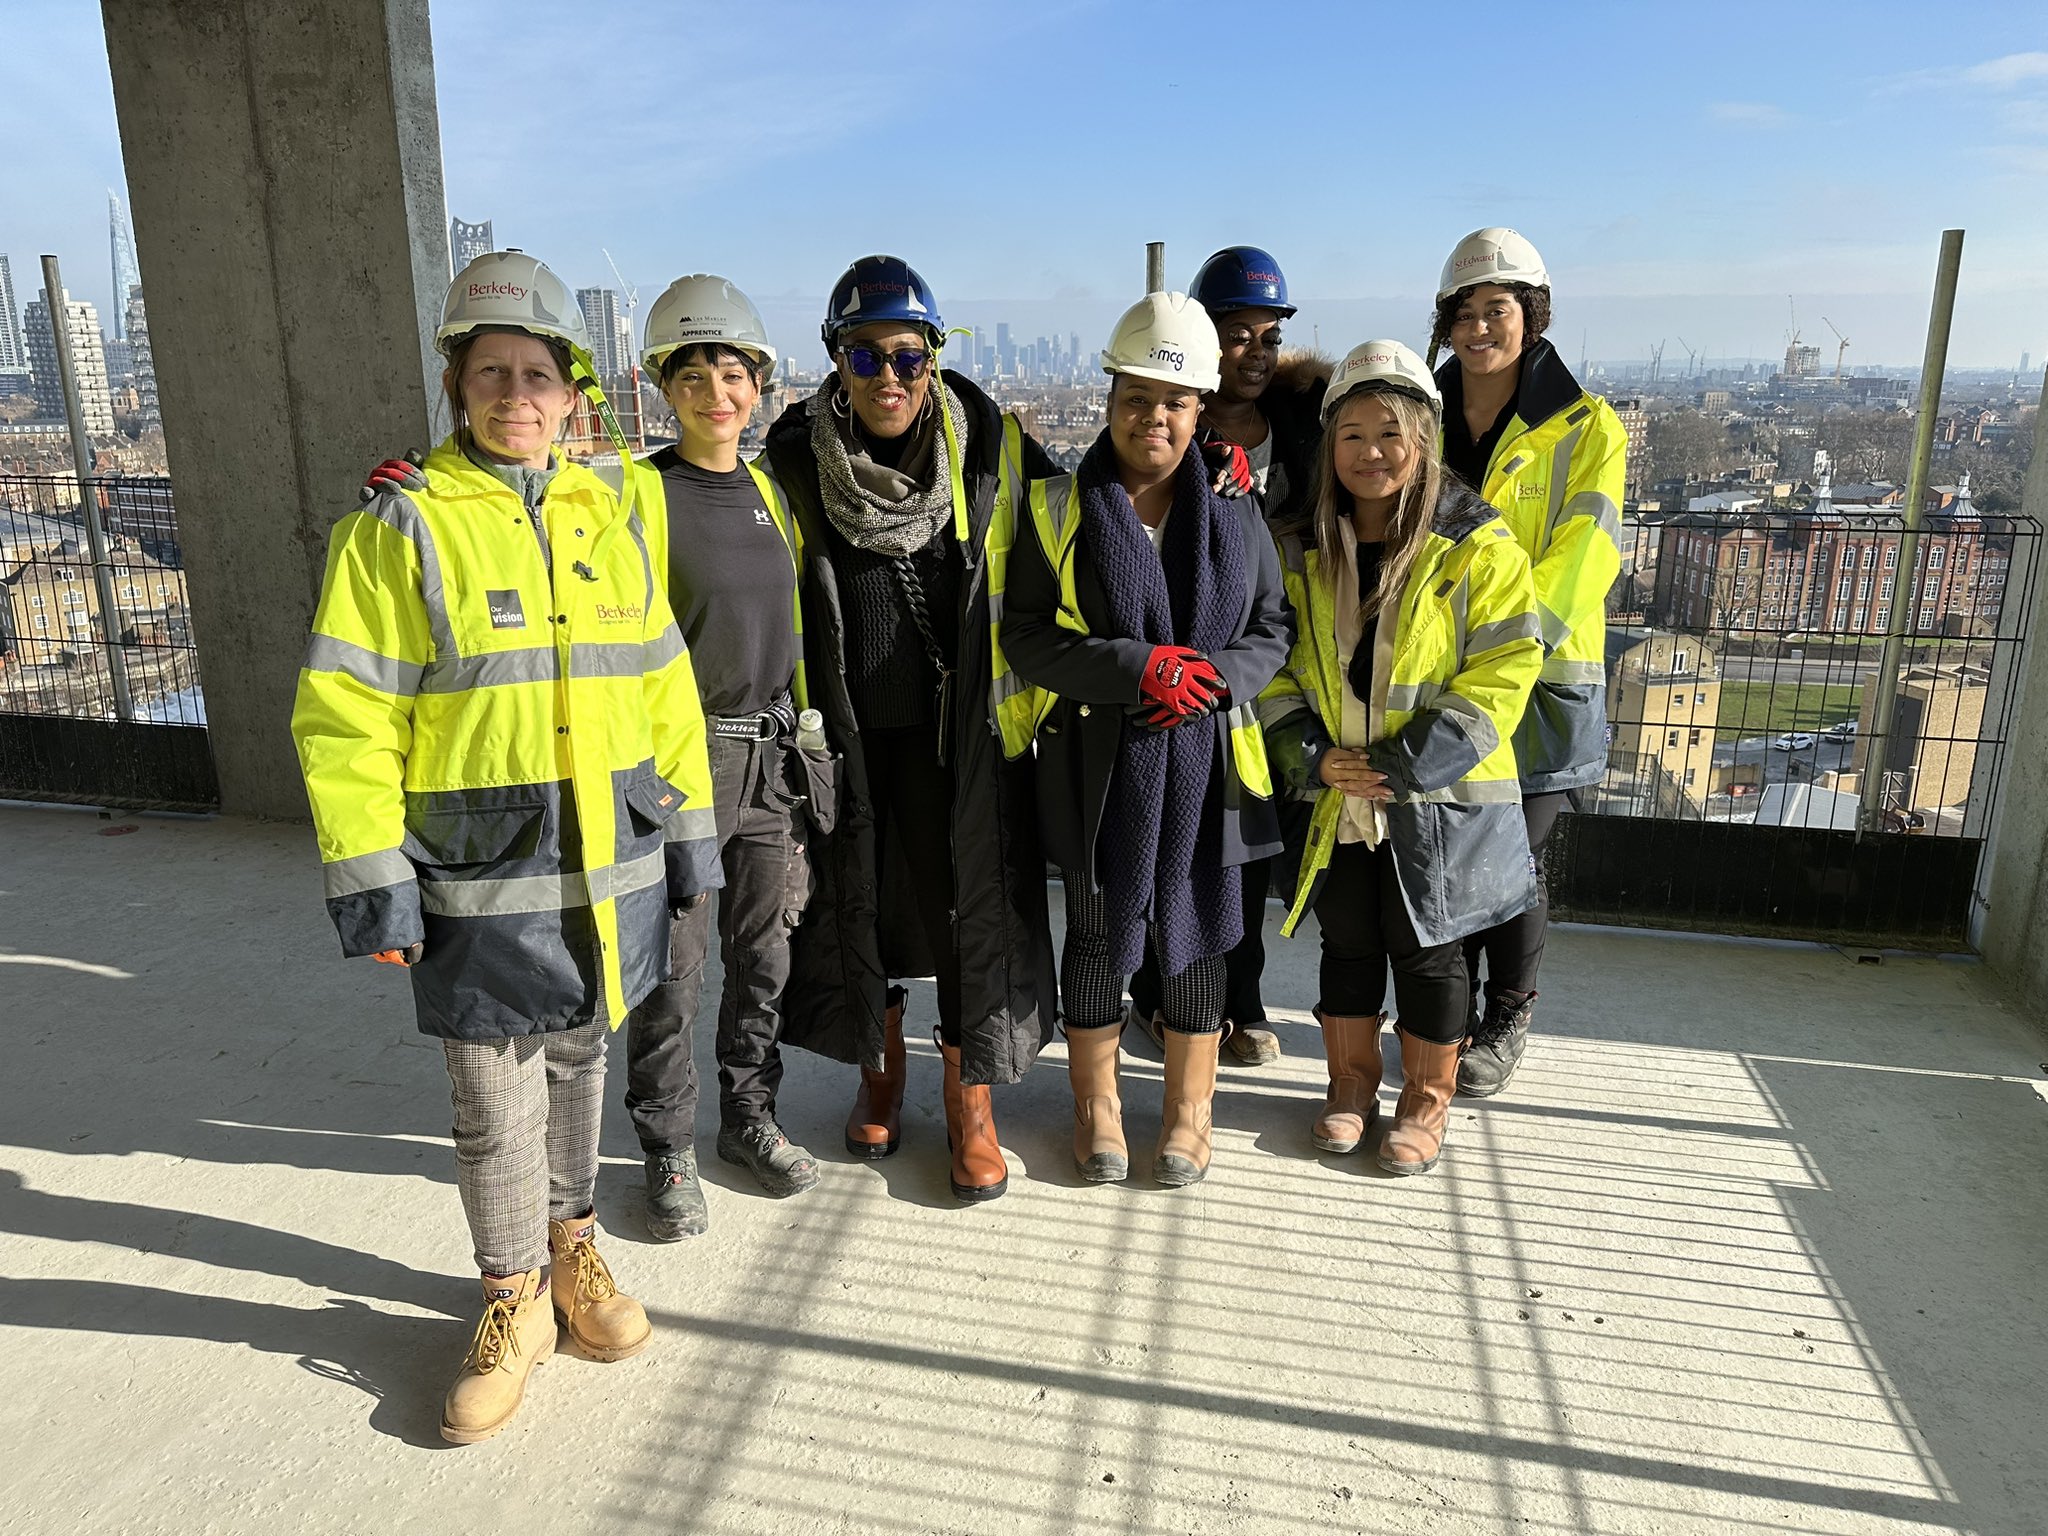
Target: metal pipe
{"points": [[88, 502], [1906, 579], [1155, 266]]}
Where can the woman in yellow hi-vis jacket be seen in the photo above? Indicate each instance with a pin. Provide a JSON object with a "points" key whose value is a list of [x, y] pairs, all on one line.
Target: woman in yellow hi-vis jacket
{"points": [[1520, 430], [502, 744], [1416, 645], [1152, 607]]}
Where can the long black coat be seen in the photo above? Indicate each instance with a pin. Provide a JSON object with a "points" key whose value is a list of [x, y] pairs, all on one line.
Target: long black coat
{"points": [[1096, 676], [850, 942]]}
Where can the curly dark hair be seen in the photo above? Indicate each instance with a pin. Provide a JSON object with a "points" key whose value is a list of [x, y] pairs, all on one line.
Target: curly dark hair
{"points": [[1535, 304]]}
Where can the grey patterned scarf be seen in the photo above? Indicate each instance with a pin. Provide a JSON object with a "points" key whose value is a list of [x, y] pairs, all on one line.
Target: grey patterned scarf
{"points": [[885, 511]]}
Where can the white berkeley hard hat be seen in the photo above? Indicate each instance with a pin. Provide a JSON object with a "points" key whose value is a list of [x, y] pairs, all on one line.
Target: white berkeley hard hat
{"points": [[1380, 365], [1169, 337], [701, 310], [510, 288], [1494, 255]]}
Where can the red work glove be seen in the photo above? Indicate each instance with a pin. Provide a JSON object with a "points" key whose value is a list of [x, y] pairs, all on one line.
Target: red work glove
{"points": [[395, 475], [408, 956], [1230, 468], [1178, 682]]}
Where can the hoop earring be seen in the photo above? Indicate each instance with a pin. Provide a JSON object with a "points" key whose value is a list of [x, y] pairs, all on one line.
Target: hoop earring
{"points": [[929, 408], [841, 402]]}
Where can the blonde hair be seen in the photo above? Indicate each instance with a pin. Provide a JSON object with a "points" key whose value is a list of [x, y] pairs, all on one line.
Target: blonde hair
{"points": [[1414, 511]]}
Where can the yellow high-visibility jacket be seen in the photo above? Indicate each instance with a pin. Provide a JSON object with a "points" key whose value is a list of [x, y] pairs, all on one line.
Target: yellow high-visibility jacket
{"points": [[503, 747], [1451, 671], [1557, 477]]}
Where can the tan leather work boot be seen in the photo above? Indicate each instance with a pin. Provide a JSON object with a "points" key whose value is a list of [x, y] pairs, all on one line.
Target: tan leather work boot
{"points": [[598, 1320], [516, 1333], [1351, 1043], [1099, 1149], [875, 1128], [979, 1172], [1183, 1156], [1423, 1112]]}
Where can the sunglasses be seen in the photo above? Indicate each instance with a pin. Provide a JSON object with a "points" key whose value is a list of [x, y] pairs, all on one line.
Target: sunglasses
{"points": [[866, 362]]}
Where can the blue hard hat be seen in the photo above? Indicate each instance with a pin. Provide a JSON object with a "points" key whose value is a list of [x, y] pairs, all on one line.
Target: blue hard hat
{"points": [[879, 288], [1241, 277]]}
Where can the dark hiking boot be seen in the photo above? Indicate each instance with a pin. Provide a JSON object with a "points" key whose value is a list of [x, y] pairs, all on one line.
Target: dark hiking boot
{"points": [[1495, 1048], [783, 1167], [675, 1200]]}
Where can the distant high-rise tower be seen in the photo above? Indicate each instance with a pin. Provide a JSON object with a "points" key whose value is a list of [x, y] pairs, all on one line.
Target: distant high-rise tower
{"points": [[121, 250], [13, 358], [601, 318], [88, 356], [466, 242], [142, 360]]}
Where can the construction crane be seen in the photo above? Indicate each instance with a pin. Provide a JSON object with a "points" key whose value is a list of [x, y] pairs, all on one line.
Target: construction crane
{"points": [[1844, 347], [1656, 361], [1691, 357], [631, 360]]}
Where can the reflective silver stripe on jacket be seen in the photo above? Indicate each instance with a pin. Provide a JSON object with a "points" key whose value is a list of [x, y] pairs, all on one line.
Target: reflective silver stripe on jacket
{"points": [[366, 872], [691, 824], [1557, 670], [488, 669], [1414, 698], [1520, 626], [1474, 792], [541, 893], [386, 674], [1554, 630], [1596, 506], [1479, 729], [1560, 473], [397, 511]]}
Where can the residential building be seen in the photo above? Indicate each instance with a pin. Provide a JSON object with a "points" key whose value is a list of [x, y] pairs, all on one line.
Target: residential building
{"points": [[88, 357], [607, 327], [13, 356], [1937, 726], [50, 605], [1636, 423], [1663, 698]]}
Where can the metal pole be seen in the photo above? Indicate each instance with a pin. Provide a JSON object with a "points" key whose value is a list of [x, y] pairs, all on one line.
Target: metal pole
{"points": [[1155, 266], [88, 502], [1905, 580]]}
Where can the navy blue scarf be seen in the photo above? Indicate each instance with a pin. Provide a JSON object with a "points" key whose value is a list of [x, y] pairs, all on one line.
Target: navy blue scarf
{"points": [[1161, 844]]}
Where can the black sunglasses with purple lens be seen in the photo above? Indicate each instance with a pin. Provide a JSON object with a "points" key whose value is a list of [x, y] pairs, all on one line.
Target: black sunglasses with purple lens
{"points": [[866, 362]]}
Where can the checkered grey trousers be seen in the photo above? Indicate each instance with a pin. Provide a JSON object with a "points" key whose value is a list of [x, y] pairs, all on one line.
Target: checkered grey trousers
{"points": [[526, 1120], [1092, 993]]}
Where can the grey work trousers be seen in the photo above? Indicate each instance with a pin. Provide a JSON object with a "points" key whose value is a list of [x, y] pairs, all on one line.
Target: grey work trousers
{"points": [[526, 1119], [767, 883]]}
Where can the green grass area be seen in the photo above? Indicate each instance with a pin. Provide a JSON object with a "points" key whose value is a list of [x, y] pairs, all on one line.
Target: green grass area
{"points": [[1767, 709]]}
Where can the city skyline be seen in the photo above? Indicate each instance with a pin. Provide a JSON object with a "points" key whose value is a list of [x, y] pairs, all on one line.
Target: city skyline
{"points": [[1808, 159]]}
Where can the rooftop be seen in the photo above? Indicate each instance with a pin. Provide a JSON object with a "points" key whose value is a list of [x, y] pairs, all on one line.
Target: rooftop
{"points": [[1754, 1243]]}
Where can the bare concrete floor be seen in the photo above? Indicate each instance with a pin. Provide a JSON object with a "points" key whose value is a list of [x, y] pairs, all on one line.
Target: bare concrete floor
{"points": [[1754, 1243]]}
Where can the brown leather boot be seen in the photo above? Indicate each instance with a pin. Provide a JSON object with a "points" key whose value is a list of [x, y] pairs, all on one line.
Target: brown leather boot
{"points": [[516, 1333], [1183, 1156], [599, 1321], [1352, 1045], [979, 1172], [1429, 1074], [875, 1128], [1099, 1149]]}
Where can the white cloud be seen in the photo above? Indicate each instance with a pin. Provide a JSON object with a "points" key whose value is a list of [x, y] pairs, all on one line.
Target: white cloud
{"points": [[2008, 71], [1749, 114]]}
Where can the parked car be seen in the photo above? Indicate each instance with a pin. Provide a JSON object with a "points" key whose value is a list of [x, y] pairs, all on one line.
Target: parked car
{"points": [[1841, 730], [1793, 741]]}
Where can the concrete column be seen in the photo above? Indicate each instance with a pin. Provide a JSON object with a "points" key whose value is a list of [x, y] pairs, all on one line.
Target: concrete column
{"points": [[284, 170], [2015, 884]]}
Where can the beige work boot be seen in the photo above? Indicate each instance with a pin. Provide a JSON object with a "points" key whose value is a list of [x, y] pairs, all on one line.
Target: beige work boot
{"points": [[1099, 1149], [1183, 1156], [1351, 1043], [516, 1333], [599, 1321], [1422, 1114]]}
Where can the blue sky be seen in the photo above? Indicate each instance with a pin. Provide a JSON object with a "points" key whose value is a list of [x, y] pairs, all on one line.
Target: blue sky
{"points": [[1683, 168]]}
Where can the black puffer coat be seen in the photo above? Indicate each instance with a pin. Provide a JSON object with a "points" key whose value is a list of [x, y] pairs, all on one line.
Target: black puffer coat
{"points": [[849, 942]]}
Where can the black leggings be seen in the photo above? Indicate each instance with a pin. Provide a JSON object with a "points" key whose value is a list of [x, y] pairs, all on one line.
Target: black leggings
{"points": [[1092, 993], [913, 797], [1514, 949], [1365, 925]]}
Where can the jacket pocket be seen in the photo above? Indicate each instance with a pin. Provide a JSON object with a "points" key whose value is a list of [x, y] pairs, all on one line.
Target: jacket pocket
{"points": [[464, 837], [817, 775], [651, 803]]}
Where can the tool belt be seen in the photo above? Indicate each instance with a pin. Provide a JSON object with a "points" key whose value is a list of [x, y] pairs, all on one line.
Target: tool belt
{"points": [[778, 719]]}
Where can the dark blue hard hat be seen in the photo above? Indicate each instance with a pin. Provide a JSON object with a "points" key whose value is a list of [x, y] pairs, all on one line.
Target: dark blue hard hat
{"points": [[879, 288], [1241, 277]]}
